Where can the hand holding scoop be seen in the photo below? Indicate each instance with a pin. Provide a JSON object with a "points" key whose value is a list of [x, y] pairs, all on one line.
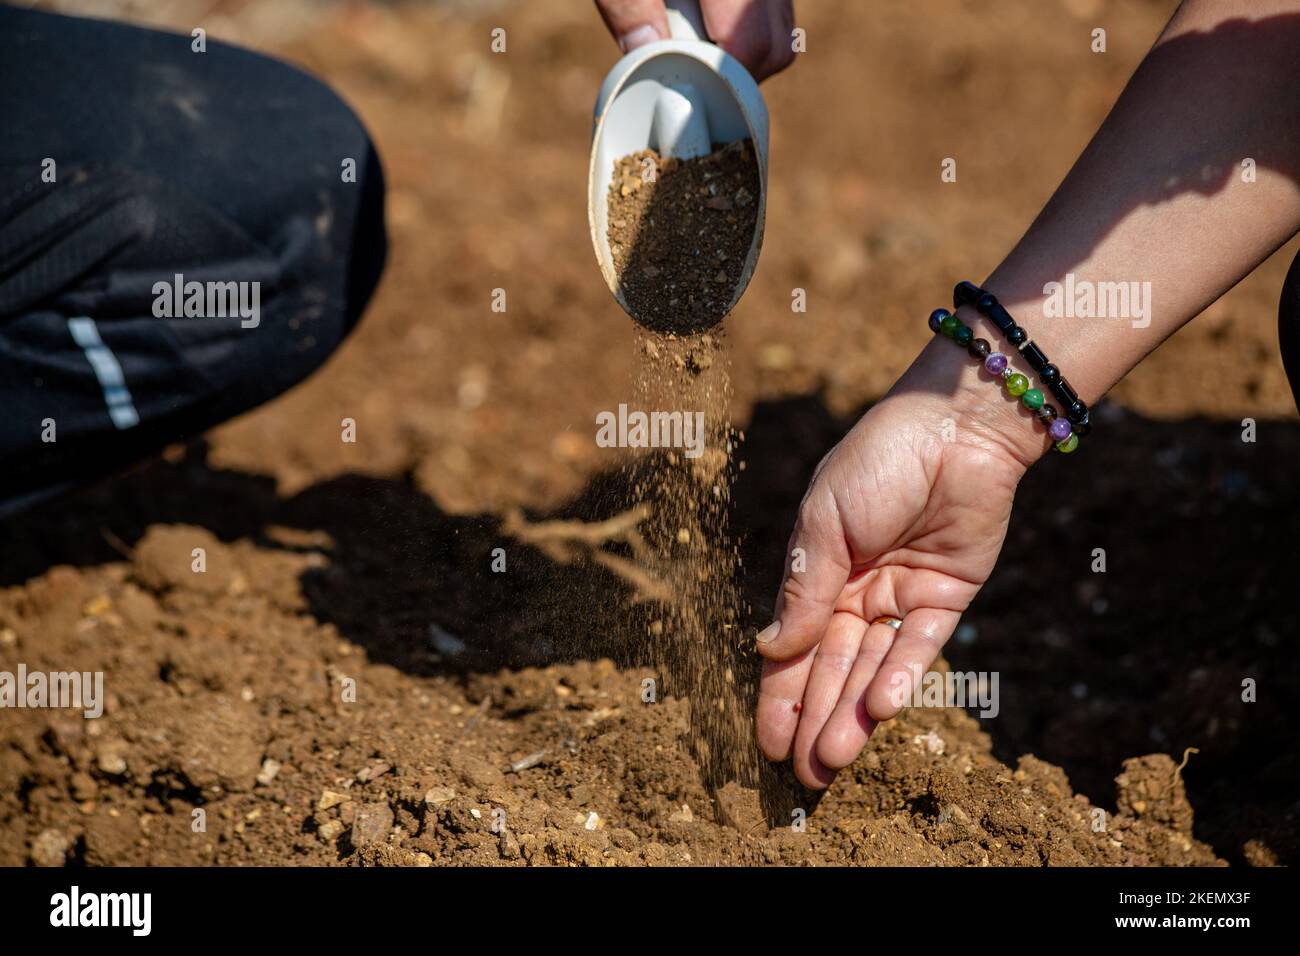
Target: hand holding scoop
{"points": [[679, 97]]}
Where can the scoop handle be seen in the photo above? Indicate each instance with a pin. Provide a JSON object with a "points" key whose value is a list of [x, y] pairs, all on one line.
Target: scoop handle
{"points": [[685, 22]]}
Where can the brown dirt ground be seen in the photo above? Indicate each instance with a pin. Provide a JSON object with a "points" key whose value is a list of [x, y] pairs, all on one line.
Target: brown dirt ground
{"points": [[369, 561]]}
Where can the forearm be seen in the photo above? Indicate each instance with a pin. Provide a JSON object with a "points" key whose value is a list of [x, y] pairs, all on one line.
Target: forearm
{"points": [[1156, 220]]}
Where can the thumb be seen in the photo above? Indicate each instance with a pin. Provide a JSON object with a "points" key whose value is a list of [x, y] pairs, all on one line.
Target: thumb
{"points": [[634, 23], [817, 568]]}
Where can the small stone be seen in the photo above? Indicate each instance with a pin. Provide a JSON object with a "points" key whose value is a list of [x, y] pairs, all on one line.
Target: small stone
{"points": [[269, 769], [508, 845], [373, 772], [330, 830], [593, 821], [50, 848], [109, 760], [527, 762], [932, 742], [437, 796], [372, 824], [954, 814], [330, 799], [683, 815]]}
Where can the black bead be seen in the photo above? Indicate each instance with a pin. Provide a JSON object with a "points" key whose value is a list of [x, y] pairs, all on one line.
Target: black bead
{"points": [[966, 293], [985, 302], [1016, 335], [1084, 425], [1046, 413], [1034, 356], [1001, 318], [1049, 373], [979, 348], [1066, 395], [1076, 412]]}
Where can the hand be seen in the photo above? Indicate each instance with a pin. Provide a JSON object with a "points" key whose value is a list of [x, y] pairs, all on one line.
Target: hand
{"points": [[897, 522], [755, 32]]}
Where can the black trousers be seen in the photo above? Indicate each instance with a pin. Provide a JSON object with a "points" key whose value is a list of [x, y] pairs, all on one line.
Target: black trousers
{"points": [[131, 168]]}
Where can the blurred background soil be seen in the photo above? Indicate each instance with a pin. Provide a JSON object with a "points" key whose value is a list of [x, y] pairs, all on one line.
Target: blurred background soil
{"points": [[370, 562]]}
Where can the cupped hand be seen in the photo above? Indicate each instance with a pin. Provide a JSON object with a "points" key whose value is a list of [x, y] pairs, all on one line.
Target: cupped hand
{"points": [[903, 519], [755, 32]]}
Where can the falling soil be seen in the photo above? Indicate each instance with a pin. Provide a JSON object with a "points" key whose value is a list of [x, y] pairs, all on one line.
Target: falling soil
{"points": [[697, 636], [680, 232]]}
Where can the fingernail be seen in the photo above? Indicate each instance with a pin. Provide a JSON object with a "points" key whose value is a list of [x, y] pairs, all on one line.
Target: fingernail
{"points": [[768, 634], [639, 37]]}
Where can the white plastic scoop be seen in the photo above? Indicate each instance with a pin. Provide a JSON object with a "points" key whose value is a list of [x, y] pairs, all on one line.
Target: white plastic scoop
{"points": [[678, 97]]}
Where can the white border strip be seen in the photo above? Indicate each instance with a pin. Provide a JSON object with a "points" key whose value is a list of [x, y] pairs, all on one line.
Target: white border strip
{"points": [[121, 408]]}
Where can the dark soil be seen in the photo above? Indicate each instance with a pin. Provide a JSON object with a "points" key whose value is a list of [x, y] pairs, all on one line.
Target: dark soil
{"points": [[680, 232]]}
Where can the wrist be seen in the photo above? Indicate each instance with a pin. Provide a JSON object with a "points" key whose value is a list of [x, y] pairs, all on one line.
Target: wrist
{"points": [[972, 407]]}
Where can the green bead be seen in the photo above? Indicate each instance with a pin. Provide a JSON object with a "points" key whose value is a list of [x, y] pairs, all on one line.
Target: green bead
{"points": [[963, 335], [1069, 445], [1017, 384], [949, 324], [1033, 399]]}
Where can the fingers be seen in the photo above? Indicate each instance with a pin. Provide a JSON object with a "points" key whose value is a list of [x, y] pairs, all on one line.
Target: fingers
{"points": [[919, 640], [834, 660], [850, 726], [755, 32], [634, 23], [780, 699], [817, 569]]}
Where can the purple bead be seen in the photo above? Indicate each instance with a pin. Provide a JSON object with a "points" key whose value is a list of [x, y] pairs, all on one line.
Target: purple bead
{"points": [[1059, 429], [996, 363]]}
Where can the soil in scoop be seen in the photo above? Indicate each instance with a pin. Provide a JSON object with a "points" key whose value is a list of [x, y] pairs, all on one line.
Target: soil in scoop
{"points": [[680, 231]]}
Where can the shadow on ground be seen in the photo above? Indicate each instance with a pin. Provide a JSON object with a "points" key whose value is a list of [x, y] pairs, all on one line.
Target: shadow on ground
{"points": [[1198, 529]]}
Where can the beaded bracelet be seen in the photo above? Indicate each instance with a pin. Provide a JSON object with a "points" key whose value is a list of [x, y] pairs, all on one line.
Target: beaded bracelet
{"points": [[1076, 411], [943, 322]]}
